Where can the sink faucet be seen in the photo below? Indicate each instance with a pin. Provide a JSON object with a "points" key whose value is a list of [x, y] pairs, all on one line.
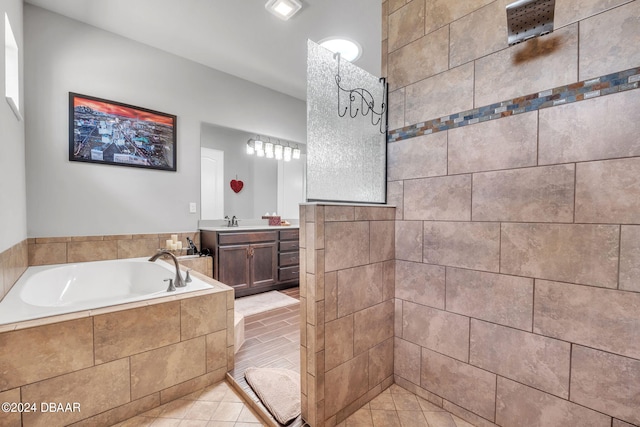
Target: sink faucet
{"points": [[179, 282], [233, 222]]}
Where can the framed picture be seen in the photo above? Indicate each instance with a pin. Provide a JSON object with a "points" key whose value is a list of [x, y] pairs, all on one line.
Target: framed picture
{"points": [[113, 133]]}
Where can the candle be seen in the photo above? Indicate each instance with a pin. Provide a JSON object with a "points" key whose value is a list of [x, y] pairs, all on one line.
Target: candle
{"points": [[168, 244], [174, 238], [179, 245], [174, 246]]}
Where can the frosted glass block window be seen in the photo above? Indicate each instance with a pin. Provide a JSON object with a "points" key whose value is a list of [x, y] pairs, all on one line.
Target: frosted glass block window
{"points": [[346, 157]]}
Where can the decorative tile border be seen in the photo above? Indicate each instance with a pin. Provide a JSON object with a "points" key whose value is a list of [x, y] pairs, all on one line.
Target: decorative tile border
{"points": [[587, 89]]}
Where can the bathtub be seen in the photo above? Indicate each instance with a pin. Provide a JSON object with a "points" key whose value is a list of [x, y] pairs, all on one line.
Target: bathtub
{"points": [[52, 290]]}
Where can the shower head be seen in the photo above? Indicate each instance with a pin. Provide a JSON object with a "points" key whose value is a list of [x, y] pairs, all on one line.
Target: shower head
{"points": [[527, 19]]}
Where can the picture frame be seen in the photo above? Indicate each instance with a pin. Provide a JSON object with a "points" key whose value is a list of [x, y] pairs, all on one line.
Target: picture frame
{"points": [[113, 133]]}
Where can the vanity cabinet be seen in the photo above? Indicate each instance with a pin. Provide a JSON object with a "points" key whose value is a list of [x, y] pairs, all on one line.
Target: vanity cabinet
{"points": [[254, 261]]}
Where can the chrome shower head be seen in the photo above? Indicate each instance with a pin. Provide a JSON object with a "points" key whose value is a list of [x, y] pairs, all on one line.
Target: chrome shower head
{"points": [[527, 19]]}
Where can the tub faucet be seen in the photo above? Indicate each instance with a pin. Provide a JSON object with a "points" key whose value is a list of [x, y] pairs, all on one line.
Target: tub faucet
{"points": [[179, 282]]}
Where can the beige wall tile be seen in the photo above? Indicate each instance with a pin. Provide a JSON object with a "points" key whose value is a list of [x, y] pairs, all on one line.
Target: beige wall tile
{"points": [[540, 362], [395, 197], [438, 330], [372, 326], [388, 280], [396, 4], [338, 342], [347, 245], [167, 366], [374, 213], [339, 213], [466, 415], [608, 191], [630, 258], [586, 254], [425, 57], [533, 66], [11, 419], [135, 248], [385, 20], [606, 382], [123, 333], [618, 50], [507, 300], [382, 241], [380, 362], [397, 318], [583, 130], [517, 404], [443, 94], [420, 283], [203, 315], [599, 318], [359, 288], [395, 110], [570, 11], [460, 383], [445, 198], [542, 194], [442, 12], [96, 389], [406, 25], [478, 34], [409, 240], [47, 253], [216, 350], [419, 157], [330, 296], [507, 143], [462, 244], [346, 383], [45, 351], [406, 360], [92, 251], [618, 423]]}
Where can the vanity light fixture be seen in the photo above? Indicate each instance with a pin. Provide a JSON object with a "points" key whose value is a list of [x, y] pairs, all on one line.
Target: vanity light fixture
{"points": [[296, 153], [277, 151], [268, 149], [251, 147], [283, 9], [287, 154]]}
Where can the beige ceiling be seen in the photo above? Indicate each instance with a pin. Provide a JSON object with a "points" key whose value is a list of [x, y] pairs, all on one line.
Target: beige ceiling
{"points": [[238, 37]]}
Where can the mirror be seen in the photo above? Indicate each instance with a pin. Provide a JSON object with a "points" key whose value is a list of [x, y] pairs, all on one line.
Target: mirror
{"points": [[263, 185]]}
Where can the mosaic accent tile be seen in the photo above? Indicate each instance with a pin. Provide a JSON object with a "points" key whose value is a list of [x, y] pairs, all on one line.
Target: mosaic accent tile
{"points": [[586, 89]]}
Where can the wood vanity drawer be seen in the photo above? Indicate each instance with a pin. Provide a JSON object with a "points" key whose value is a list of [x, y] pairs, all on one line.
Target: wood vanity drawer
{"points": [[289, 273], [289, 246], [289, 234], [287, 259], [233, 238]]}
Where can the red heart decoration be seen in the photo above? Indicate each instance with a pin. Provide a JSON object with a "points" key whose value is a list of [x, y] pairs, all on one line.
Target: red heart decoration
{"points": [[236, 185]]}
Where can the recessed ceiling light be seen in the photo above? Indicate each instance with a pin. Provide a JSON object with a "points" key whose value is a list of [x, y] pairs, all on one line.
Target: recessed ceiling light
{"points": [[348, 49], [283, 9]]}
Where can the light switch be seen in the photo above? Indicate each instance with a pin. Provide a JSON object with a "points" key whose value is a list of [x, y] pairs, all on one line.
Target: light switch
{"points": [[192, 207]]}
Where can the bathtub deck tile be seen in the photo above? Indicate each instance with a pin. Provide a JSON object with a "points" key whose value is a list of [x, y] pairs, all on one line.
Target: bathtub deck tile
{"points": [[47, 351], [124, 333]]}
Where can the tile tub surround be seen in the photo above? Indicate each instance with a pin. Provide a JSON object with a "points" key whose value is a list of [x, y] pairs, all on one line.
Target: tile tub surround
{"points": [[13, 262], [346, 308], [61, 250], [119, 361], [515, 173]]}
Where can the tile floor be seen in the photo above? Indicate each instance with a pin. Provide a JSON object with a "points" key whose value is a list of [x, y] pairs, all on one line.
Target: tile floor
{"points": [[215, 406]]}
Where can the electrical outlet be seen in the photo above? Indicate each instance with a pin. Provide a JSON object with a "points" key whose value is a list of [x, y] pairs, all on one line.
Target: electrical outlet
{"points": [[192, 207]]}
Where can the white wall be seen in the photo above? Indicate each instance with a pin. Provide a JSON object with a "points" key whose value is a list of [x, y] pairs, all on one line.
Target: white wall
{"points": [[13, 198], [73, 198]]}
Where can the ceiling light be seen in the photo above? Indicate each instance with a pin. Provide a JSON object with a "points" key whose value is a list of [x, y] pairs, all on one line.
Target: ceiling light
{"points": [[348, 49], [283, 9]]}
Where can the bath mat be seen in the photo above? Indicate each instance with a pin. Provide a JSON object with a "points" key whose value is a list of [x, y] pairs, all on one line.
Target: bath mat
{"points": [[278, 390], [254, 304]]}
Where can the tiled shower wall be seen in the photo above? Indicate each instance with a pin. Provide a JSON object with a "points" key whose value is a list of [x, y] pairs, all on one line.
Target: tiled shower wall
{"points": [[346, 307], [517, 240]]}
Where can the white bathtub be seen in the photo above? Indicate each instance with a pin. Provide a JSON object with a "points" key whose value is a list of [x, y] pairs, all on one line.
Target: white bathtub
{"points": [[65, 288]]}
